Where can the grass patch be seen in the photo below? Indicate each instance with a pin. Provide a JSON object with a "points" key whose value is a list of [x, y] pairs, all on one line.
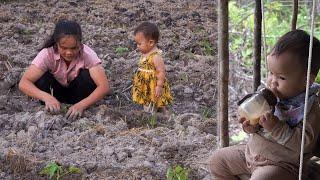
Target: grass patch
{"points": [[207, 112], [206, 47], [120, 51]]}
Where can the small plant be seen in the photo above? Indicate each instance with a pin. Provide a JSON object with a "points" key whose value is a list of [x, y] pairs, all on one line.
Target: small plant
{"points": [[200, 29], [153, 120], [64, 108], [207, 112], [177, 173], [184, 77], [55, 171], [121, 50], [207, 47]]}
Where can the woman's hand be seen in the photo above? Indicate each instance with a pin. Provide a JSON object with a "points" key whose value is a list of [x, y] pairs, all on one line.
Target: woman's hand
{"points": [[158, 91], [268, 121], [247, 127], [52, 104], [75, 111]]}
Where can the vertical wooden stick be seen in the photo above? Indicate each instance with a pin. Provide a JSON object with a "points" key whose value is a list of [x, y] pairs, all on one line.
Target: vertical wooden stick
{"points": [[294, 14], [257, 45], [223, 73]]}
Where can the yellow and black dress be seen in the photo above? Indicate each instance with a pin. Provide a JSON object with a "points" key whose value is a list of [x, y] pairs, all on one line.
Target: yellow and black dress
{"points": [[145, 82]]}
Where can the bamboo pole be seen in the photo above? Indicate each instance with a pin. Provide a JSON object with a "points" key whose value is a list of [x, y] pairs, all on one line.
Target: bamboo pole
{"points": [[223, 73], [257, 45], [294, 14]]}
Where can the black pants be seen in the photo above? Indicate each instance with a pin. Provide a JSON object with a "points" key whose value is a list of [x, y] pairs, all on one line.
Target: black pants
{"points": [[81, 87]]}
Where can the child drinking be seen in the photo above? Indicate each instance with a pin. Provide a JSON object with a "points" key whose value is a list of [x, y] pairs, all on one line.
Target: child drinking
{"points": [[150, 87], [273, 149], [65, 71]]}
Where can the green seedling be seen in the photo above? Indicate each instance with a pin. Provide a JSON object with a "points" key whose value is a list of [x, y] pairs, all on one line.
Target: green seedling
{"points": [[207, 47], [52, 170], [153, 120], [207, 112], [177, 173], [121, 50], [64, 108], [200, 29], [55, 171], [184, 77]]}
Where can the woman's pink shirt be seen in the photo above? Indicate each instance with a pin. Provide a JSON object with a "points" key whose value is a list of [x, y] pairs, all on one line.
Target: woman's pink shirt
{"points": [[49, 60]]}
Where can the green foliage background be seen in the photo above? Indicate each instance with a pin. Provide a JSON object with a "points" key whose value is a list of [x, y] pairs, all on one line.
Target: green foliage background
{"points": [[277, 18]]}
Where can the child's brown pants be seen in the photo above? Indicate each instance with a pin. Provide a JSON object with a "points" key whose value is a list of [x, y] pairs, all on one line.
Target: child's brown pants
{"points": [[227, 163]]}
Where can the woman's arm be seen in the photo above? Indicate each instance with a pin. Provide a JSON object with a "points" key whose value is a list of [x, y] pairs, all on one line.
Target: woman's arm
{"points": [[27, 86]]}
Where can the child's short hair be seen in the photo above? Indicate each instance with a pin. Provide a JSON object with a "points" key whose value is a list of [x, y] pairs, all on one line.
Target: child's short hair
{"points": [[297, 42], [149, 30]]}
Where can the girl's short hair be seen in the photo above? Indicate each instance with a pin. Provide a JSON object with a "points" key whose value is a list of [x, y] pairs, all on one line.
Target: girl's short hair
{"points": [[149, 30], [297, 42], [63, 28]]}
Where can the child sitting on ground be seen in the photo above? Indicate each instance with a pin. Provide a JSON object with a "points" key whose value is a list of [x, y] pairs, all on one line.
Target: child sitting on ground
{"points": [[273, 149], [150, 87]]}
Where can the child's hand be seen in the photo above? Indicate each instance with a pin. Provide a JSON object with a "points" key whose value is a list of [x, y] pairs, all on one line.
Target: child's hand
{"points": [[247, 127], [268, 121], [158, 91]]}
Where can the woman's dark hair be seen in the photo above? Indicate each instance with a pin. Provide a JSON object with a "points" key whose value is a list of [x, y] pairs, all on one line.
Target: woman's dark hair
{"points": [[297, 42], [149, 30], [63, 28]]}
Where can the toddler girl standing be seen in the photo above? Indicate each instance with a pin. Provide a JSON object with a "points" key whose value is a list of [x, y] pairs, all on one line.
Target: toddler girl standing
{"points": [[150, 87]]}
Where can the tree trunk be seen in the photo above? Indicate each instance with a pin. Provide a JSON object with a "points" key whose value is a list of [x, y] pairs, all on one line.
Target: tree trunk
{"points": [[223, 73], [257, 45], [294, 14]]}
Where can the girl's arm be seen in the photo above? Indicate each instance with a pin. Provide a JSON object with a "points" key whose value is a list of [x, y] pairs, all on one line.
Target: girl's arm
{"points": [[160, 74], [99, 77], [27, 86]]}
